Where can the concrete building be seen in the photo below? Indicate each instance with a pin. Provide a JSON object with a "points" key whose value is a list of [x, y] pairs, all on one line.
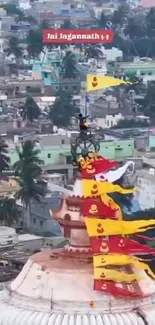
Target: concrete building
{"points": [[145, 194]]}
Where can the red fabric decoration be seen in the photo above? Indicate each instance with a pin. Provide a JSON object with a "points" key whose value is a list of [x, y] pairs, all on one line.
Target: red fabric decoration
{"points": [[113, 288], [118, 245], [98, 166], [93, 207]]}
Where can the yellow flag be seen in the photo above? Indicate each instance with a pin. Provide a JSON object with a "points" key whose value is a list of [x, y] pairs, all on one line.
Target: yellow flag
{"points": [[116, 259], [112, 275], [110, 202], [94, 188], [95, 82], [107, 227]]}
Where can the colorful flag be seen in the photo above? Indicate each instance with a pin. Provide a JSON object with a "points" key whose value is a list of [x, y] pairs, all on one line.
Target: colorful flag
{"points": [[101, 273], [114, 175], [98, 165], [114, 289], [93, 188], [110, 202], [117, 259], [119, 245], [94, 207], [105, 227], [96, 82]]}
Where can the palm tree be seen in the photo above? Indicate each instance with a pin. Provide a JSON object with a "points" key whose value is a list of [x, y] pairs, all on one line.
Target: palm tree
{"points": [[30, 110], [9, 212], [69, 68], [27, 172], [93, 52], [4, 157], [34, 42]]}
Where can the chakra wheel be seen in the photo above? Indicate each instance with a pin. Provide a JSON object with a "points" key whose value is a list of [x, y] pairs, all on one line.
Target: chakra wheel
{"points": [[84, 145]]}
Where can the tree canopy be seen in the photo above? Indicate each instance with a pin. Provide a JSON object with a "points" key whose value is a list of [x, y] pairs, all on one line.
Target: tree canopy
{"points": [[62, 110], [30, 110]]}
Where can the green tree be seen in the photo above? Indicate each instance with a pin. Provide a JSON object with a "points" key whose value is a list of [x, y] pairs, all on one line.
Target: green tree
{"points": [[14, 48], [34, 41], [125, 124], [150, 23], [69, 65], [12, 9], [62, 110], [148, 105], [4, 156], [93, 52], [102, 22], [30, 110], [27, 172], [9, 211], [67, 24]]}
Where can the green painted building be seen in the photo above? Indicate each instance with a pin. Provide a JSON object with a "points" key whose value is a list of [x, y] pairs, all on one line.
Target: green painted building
{"points": [[54, 154], [141, 68]]}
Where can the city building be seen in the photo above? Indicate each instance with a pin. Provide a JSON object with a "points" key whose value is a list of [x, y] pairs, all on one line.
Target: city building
{"points": [[145, 194], [49, 70], [142, 68]]}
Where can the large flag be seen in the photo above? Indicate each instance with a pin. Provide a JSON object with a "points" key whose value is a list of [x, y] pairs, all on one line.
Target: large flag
{"points": [[114, 175], [107, 227], [117, 259], [101, 273], [92, 207], [110, 202], [96, 82], [98, 165], [118, 245], [93, 188], [114, 289]]}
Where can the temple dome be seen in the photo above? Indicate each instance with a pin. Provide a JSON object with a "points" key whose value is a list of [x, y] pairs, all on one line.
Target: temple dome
{"points": [[53, 291]]}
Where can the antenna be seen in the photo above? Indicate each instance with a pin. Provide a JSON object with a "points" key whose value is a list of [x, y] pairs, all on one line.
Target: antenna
{"points": [[51, 301]]}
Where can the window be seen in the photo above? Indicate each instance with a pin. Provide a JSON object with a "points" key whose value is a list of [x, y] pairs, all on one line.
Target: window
{"points": [[48, 155], [41, 223], [46, 75], [74, 88], [34, 220], [66, 87], [63, 141]]}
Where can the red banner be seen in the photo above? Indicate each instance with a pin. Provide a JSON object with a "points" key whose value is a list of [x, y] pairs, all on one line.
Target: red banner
{"points": [[118, 245], [78, 36], [98, 166], [113, 288], [92, 207]]}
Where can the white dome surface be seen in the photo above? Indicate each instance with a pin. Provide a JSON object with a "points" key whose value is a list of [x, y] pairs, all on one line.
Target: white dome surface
{"points": [[57, 291]]}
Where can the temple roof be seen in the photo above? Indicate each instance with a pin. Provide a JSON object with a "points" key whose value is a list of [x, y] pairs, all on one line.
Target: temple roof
{"points": [[51, 291]]}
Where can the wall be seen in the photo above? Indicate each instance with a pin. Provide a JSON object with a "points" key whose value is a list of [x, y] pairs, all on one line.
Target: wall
{"points": [[110, 149], [152, 141], [146, 189]]}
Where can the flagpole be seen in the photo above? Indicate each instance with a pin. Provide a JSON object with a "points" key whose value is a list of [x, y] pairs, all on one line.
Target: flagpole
{"points": [[85, 104]]}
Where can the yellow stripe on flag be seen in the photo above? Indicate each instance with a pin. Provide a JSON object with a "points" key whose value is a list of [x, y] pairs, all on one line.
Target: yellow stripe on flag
{"points": [[94, 188], [107, 227], [96, 82], [110, 202], [116, 259], [112, 275]]}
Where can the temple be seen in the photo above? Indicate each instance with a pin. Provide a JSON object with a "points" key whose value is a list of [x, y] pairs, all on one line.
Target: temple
{"points": [[56, 287]]}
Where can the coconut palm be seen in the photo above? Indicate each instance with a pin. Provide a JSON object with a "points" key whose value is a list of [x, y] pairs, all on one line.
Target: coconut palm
{"points": [[30, 110], [4, 157], [9, 211], [28, 171], [69, 68]]}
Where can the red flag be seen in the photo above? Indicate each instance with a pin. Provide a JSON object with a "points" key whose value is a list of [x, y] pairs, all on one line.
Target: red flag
{"points": [[93, 207], [119, 245], [97, 166], [113, 288]]}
